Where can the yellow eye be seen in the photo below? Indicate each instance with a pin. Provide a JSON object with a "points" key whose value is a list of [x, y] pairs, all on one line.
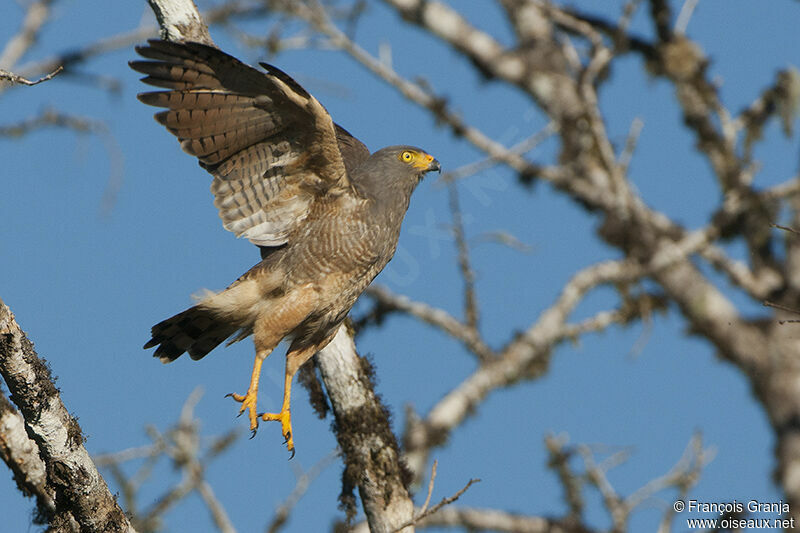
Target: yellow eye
{"points": [[407, 156]]}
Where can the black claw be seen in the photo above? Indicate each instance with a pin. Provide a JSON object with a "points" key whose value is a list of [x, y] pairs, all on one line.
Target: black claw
{"points": [[253, 433], [292, 456], [240, 414], [230, 394]]}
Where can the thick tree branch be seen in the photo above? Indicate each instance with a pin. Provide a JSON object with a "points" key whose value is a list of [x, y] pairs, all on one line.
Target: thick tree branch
{"points": [[523, 358], [21, 456], [371, 454], [79, 491], [536, 67], [180, 20]]}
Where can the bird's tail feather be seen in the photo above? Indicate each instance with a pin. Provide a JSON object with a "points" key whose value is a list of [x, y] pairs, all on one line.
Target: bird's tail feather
{"points": [[195, 331]]}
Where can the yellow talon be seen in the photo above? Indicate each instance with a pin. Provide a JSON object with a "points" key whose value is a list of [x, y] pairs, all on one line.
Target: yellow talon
{"points": [[250, 399], [248, 402], [285, 418]]}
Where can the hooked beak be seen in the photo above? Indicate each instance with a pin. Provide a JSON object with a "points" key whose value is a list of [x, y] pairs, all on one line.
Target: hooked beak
{"points": [[427, 163]]}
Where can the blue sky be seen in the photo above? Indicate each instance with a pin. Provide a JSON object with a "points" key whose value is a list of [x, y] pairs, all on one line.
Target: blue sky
{"points": [[87, 285]]}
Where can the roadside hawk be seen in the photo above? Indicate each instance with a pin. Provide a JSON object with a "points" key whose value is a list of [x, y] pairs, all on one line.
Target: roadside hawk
{"points": [[324, 212]]}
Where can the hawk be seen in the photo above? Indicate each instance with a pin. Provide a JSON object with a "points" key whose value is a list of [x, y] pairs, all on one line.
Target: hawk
{"points": [[325, 213]]}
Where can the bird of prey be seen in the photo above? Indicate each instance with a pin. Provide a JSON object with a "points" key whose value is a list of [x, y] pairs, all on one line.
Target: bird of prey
{"points": [[325, 213]]}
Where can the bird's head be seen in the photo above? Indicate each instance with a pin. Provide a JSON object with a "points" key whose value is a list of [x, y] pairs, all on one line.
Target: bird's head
{"points": [[394, 170], [415, 160], [405, 162], [418, 161]]}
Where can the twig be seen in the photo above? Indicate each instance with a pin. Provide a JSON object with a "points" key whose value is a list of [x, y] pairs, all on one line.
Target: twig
{"points": [[182, 445], [52, 117], [17, 79], [779, 100], [786, 228], [601, 57], [520, 148], [123, 456], [684, 16], [611, 499], [503, 238], [603, 319], [783, 308], [432, 510], [683, 475], [628, 11], [55, 118], [430, 486], [301, 486], [35, 18], [570, 481], [625, 157], [758, 285], [623, 41], [467, 274], [434, 316], [218, 513], [71, 58]]}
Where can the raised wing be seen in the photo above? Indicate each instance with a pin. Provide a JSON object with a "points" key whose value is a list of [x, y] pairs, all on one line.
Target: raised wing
{"points": [[271, 146]]}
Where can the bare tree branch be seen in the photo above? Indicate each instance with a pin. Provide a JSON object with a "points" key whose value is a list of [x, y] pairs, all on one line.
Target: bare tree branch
{"points": [[433, 510], [572, 484], [51, 117], [495, 520], [304, 480], [684, 16], [471, 312], [12, 78], [527, 356], [35, 17], [388, 301], [21, 456], [79, 491], [371, 454], [183, 446], [520, 148], [180, 20]]}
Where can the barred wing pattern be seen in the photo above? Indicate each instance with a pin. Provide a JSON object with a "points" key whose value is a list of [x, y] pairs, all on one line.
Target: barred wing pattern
{"points": [[271, 146]]}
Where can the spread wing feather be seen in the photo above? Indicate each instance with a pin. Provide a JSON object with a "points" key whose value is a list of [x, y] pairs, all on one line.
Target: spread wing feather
{"points": [[271, 147]]}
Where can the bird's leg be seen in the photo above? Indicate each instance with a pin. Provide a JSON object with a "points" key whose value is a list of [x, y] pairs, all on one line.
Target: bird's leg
{"points": [[285, 416], [250, 399], [295, 358]]}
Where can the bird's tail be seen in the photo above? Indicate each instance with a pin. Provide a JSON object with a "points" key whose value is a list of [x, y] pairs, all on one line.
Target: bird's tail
{"points": [[196, 331]]}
